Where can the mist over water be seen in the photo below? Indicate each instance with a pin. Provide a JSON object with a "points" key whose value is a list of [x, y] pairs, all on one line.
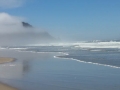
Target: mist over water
{"points": [[14, 33], [73, 45]]}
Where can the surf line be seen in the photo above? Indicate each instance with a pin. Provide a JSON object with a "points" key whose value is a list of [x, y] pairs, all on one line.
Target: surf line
{"points": [[89, 62]]}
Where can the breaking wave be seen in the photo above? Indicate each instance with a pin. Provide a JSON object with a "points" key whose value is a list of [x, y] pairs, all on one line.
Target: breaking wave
{"points": [[88, 62]]}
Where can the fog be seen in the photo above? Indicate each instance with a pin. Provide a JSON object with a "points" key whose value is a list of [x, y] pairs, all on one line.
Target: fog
{"points": [[12, 32], [11, 24]]}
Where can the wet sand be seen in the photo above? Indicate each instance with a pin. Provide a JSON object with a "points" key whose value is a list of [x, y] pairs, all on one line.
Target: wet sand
{"points": [[40, 71], [6, 87], [6, 60]]}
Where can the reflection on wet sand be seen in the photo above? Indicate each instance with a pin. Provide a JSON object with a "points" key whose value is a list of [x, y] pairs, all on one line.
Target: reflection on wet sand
{"points": [[8, 71], [28, 72], [6, 87], [26, 66], [20, 66], [11, 70]]}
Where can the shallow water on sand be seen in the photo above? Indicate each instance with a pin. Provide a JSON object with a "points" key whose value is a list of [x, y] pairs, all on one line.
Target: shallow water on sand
{"points": [[40, 71]]}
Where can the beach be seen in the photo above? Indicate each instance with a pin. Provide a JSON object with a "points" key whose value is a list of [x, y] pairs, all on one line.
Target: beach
{"points": [[6, 60], [6, 87], [41, 71], [2, 61]]}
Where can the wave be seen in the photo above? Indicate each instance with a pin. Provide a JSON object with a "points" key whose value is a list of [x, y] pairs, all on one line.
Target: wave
{"points": [[95, 50], [85, 44], [63, 53], [88, 62], [18, 48], [81, 44], [14, 48], [98, 45]]}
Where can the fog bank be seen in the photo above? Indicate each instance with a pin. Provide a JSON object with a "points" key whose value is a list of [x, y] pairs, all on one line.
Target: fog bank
{"points": [[13, 32]]}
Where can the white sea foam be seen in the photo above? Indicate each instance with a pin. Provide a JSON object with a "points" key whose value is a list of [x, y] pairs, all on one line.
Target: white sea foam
{"points": [[95, 50], [84, 45], [98, 45], [2, 48], [18, 48], [13, 48], [88, 62], [42, 52]]}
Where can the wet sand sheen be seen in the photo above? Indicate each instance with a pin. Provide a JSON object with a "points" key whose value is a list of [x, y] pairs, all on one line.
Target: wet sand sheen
{"points": [[6, 60], [6, 87]]}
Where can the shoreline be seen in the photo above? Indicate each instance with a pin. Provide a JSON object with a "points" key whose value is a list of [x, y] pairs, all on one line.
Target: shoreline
{"points": [[48, 73], [88, 62], [6, 60], [2, 85], [6, 87]]}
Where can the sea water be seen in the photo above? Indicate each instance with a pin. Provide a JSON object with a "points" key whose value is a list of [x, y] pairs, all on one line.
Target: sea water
{"points": [[73, 66]]}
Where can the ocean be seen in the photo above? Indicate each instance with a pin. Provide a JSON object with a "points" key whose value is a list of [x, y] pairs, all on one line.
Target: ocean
{"points": [[63, 66], [100, 53]]}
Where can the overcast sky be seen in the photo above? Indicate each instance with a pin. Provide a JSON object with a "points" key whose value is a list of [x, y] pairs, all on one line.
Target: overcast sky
{"points": [[71, 19]]}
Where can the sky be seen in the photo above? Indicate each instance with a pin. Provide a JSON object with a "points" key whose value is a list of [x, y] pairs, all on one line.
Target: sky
{"points": [[69, 19]]}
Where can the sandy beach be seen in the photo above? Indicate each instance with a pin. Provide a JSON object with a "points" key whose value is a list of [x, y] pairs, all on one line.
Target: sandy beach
{"points": [[41, 71], [6, 87], [5, 60]]}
